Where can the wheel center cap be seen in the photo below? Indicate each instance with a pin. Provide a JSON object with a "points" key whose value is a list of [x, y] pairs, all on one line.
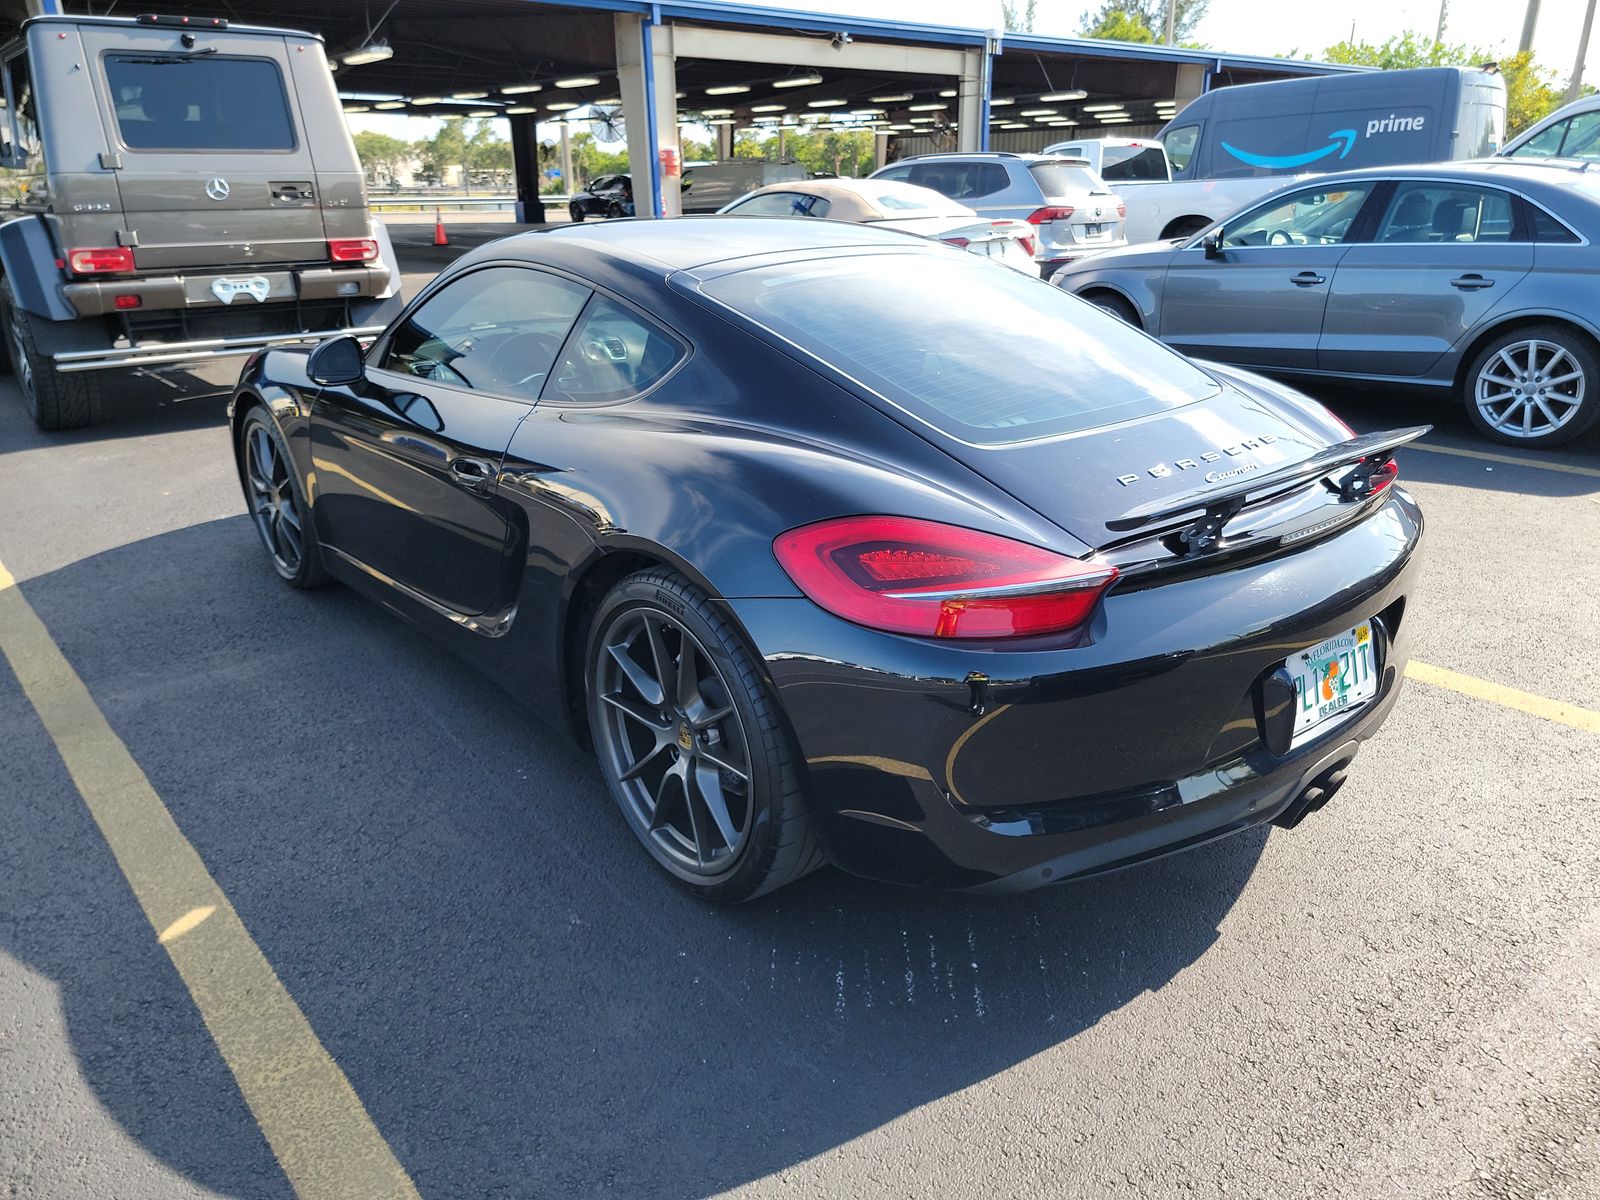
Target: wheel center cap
{"points": [[685, 737]]}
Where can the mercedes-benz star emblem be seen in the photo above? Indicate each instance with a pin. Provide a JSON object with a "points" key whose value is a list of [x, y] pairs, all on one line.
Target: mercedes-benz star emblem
{"points": [[217, 188]]}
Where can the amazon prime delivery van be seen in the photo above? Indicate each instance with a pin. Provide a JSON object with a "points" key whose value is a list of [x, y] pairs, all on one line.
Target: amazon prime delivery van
{"points": [[1339, 122]]}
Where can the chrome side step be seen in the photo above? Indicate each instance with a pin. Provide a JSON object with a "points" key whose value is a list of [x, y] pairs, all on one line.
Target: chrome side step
{"points": [[196, 351]]}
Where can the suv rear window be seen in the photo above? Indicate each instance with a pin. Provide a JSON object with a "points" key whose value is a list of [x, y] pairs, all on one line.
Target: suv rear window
{"points": [[977, 351], [1059, 179], [186, 102]]}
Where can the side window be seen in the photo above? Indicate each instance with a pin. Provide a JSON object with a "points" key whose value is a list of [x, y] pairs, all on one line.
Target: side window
{"points": [[961, 180], [820, 206], [772, 204], [1132, 162], [898, 174], [1180, 144], [494, 330], [1547, 229], [1313, 217], [983, 179], [1544, 145], [1446, 212], [613, 354], [1583, 137], [19, 95]]}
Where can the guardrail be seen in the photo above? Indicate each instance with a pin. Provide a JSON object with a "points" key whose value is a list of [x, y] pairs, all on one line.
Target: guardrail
{"points": [[455, 203]]}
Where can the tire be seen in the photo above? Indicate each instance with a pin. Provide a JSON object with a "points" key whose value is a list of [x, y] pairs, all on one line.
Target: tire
{"points": [[1116, 306], [276, 505], [575, 211], [1534, 386], [722, 732], [55, 400], [614, 210]]}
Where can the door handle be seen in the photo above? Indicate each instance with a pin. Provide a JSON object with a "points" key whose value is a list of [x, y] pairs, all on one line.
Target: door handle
{"points": [[1471, 283], [1307, 279], [474, 474]]}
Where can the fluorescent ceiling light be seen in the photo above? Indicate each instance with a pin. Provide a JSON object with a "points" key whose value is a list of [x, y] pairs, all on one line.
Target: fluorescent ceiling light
{"points": [[1001, 102], [451, 116], [1062, 123], [1015, 125], [826, 103], [522, 89], [1104, 107], [577, 81], [899, 128], [427, 99], [948, 92], [728, 89], [608, 102], [806, 80], [1116, 120], [518, 110], [389, 104], [562, 106], [1075, 94], [370, 53], [866, 112], [927, 107], [356, 108], [894, 99], [483, 112], [759, 108], [1040, 112], [721, 121], [922, 120], [469, 95], [716, 112]]}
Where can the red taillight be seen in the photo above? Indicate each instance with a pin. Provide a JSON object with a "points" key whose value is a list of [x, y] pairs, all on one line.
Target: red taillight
{"points": [[125, 302], [1027, 244], [1385, 475], [1122, 209], [102, 261], [904, 575], [1054, 213], [352, 249], [957, 241]]}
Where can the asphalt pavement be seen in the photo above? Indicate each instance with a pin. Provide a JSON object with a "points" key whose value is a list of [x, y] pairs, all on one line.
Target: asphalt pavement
{"points": [[1398, 998]]}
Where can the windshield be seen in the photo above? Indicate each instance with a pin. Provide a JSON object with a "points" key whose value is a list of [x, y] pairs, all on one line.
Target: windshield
{"points": [[192, 102], [977, 351], [1059, 179]]}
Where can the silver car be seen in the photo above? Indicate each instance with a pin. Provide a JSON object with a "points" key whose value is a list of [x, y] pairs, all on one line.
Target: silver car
{"points": [[1074, 210], [1476, 279]]}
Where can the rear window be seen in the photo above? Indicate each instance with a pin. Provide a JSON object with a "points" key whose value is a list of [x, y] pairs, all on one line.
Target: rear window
{"points": [[190, 102], [1134, 162], [980, 352], [1059, 179]]}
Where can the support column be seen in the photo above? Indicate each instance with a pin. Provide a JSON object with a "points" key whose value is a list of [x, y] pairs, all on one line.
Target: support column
{"points": [[525, 166], [724, 142], [972, 101], [648, 79], [880, 150], [568, 183], [1189, 84]]}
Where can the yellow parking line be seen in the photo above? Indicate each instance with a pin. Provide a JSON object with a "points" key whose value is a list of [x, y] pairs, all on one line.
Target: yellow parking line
{"points": [[1481, 689], [1508, 459], [311, 1116]]}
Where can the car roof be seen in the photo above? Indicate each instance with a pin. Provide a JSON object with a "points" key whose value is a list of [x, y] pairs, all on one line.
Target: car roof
{"points": [[860, 197], [661, 247], [1552, 172], [993, 156]]}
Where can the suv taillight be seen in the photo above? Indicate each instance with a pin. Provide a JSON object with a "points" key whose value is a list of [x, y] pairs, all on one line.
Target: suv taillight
{"points": [[1059, 212], [1122, 209], [108, 260], [905, 575], [348, 250]]}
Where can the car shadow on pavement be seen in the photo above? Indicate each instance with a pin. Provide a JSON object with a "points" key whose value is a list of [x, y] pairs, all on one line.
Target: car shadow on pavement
{"points": [[526, 1006], [130, 406]]}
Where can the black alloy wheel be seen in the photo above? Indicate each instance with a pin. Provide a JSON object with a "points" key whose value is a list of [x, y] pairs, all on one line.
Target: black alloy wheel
{"points": [[690, 744], [276, 508], [615, 210], [575, 211]]}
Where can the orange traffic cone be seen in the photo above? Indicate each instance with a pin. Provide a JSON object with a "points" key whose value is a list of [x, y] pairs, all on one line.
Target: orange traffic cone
{"points": [[440, 238]]}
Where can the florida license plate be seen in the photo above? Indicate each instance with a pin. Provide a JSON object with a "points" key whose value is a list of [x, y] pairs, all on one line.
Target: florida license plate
{"points": [[1332, 680], [1092, 230]]}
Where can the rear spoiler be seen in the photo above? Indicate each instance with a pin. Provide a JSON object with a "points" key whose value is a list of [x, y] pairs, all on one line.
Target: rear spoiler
{"points": [[1375, 449]]}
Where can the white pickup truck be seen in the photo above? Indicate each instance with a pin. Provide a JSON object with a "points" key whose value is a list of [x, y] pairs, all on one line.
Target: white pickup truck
{"points": [[1159, 206]]}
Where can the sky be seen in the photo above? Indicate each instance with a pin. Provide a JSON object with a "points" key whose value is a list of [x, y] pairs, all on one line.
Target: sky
{"points": [[1240, 26]]}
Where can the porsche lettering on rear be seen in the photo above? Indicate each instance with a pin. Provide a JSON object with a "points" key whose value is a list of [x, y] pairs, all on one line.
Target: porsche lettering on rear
{"points": [[1178, 465]]}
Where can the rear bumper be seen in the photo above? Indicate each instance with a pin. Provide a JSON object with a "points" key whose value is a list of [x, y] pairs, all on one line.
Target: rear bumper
{"points": [[160, 293], [937, 765]]}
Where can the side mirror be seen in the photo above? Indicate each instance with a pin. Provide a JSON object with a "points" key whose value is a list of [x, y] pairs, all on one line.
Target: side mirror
{"points": [[336, 362], [1212, 244]]}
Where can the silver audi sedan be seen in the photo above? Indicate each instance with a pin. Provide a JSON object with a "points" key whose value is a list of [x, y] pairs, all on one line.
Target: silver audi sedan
{"points": [[1475, 279]]}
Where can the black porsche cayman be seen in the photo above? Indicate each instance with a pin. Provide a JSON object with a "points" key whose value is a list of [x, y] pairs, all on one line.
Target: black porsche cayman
{"points": [[843, 546]]}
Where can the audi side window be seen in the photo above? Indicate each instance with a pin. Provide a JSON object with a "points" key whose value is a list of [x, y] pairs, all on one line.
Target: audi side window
{"points": [[1446, 212], [1314, 217], [612, 354], [1547, 229], [495, 330]]}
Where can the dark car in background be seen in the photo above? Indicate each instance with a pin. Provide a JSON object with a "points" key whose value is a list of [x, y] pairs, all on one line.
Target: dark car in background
{"points": [[1475, 280], [606, 196], [987, 593]]}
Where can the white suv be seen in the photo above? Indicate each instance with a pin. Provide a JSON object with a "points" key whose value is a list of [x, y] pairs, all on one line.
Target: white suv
{"points": [[1074, 210]]}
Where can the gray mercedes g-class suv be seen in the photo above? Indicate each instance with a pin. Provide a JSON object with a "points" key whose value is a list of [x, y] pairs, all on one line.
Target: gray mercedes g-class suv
{"points": [[174, 190]]}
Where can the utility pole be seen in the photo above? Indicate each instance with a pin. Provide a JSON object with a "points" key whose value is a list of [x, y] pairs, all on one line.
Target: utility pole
{"points": [[1583, 53], [1444, 8], [1172, 22], [1528, 22]]}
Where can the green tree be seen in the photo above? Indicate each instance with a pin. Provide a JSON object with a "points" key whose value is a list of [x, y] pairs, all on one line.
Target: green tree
{"points": [[1117, 25], [444, 151], [1152, 14], [381, 156], [1018, 18], [1531, 93]]}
